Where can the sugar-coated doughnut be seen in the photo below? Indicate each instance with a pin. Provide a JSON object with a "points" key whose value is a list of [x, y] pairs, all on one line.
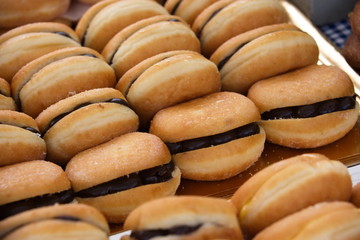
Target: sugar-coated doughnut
{"points": [[306, 108], [58, 75], [20, 138], [167, 79], [227, 18], [83, 121], [138, 168], [288, 186], [261, 53], [60, 221], [28, 42], [214, 137], [146, 38], [106, 18], [184, 217], [326, 220], [32, 184]]}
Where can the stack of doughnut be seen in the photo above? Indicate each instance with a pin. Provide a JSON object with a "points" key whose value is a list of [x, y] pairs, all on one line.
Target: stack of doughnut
{"points": [[113, 111]]}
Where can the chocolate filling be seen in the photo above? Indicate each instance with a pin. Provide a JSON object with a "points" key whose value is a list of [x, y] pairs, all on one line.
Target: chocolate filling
{"points": [[311, 110], [223, 61], [62, 115], [199, 32], [152, 233], [13, 208], [33, 130], [208, 141], [113, 55], [148, 176]]}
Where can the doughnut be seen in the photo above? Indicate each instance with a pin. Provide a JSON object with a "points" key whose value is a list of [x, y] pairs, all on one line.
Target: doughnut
{"points": [[146, 38], [6, 101], [261, 53], [355, 196], [227, 18], [15, 13], [214, 137], [288, 186], [20, 138], [58, 75], [306, 108], [106, 18], [350, 51], [167, 79], [83, 121], [138, 168], [23, 44], [59, 221], [326, 220], [184, 217], [32, 184]]}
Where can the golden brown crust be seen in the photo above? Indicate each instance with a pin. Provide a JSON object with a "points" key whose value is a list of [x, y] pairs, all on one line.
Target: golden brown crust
{"points": [[212, 114], [30, 179], [68, 104], [6, 101], [21, 48], [138, 151], [314, 83], [217, 216], [203, 164], [83, 212], [58, 229], [268, 55], [146, 38], [288, 186], [13, 14], [322, 220], [106, 18], [67, 72], [117, 213], [25, 74], [187, 9], [170, 81], [87, 126], [355, 196], [235, 17], [18, 144]]}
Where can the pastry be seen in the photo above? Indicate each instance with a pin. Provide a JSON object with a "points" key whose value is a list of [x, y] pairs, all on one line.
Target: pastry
{"points": [[138, 168], [85, 120], [147, 38], [327, 220], [261, 53], [32, 184], [184, 217], [106, 18], [167, 79], [187, 9], [20, 139], [306, 108], [28, 42], [288, 186], [227, 18], [213, 137], [350, 51], [58, 75], [6, 101], [355, 196], [15, 13], [60, 221]]}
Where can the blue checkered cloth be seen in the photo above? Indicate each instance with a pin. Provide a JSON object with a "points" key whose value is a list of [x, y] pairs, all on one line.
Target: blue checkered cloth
{"points": [[337, 32]]}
